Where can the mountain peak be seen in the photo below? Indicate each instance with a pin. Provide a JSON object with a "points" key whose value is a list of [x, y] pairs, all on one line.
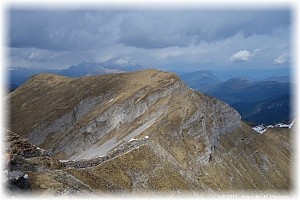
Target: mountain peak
{"points": [[139, 99], [244, 79], [237, 83], [201, 80]]}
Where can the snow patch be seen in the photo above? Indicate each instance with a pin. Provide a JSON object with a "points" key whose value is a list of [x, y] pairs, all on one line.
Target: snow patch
{"points": [[191, 88], [261, 128], [281, 125]]}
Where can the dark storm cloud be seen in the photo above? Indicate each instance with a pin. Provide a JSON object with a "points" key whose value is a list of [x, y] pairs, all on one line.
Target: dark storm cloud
{"points": [[224, 24], [66, 30], [59, 30], [164, 29], [59, 38], [152, 30]]}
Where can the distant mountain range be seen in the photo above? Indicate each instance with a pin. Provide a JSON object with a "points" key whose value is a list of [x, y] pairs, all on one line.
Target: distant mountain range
{"points": [[89, 69], [258, 102], [242, 90], [271, 111], [202, 80]]}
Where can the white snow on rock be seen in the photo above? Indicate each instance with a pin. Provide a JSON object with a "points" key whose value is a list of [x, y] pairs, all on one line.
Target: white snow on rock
{"points": [[281, 125], [261, 128]]}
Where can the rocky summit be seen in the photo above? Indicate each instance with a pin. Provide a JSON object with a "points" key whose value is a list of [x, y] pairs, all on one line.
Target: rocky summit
{"points": [[143, 131]]}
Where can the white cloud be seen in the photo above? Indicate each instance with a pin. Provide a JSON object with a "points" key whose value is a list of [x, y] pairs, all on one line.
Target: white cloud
{"points": [[282, 59], [241, 56]]}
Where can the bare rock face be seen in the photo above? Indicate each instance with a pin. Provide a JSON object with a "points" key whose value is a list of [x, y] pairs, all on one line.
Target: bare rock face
{"points": [[135, 132]]}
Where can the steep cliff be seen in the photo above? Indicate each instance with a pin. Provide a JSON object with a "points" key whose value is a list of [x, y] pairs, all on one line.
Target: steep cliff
{"points": [[141, 131]]}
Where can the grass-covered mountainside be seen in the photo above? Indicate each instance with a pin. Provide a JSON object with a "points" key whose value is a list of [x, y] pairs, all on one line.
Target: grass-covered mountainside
{"points": [[137, 132]]}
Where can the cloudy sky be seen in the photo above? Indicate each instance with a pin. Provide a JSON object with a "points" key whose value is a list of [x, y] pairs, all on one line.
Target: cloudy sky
{"points": [[187, 40]]}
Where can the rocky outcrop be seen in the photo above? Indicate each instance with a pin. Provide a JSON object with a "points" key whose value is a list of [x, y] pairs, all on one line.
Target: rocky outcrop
{"points": [[17, 181], [22, 147]]}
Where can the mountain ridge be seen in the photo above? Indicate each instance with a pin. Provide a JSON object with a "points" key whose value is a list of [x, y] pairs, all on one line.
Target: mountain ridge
{"points": [[135, 132], [236, 91], [164, 84]]}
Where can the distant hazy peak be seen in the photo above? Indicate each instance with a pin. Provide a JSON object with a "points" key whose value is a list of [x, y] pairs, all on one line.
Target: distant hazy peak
{"points": [[238, 79]]}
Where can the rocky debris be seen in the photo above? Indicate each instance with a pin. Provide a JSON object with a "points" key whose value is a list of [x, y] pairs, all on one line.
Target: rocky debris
{"points": [[34, 170], [16, 145], [17, 181]]}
